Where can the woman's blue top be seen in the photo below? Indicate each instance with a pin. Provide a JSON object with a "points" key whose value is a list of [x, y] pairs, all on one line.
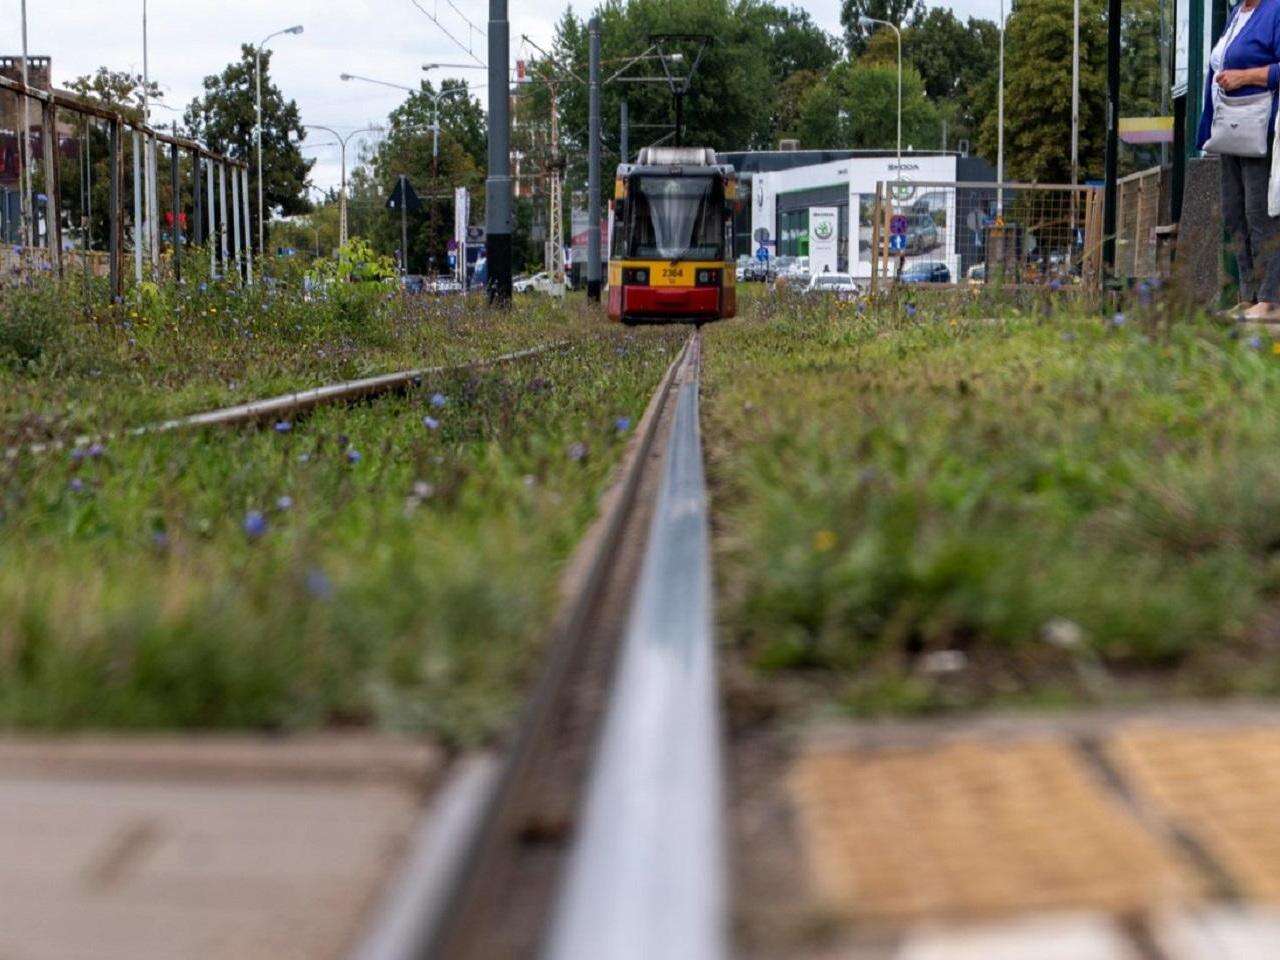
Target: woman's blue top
{"points": [[1258, 45]]}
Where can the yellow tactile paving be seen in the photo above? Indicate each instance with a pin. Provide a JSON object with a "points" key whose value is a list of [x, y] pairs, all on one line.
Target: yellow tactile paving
{"points": [[1220, 785], [971, 829]]}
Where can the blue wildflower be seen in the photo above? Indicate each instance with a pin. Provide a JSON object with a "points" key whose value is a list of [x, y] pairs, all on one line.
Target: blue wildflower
{"points": [[911, 309], [255, 524], [439, 399], [284, 503], [353, 456], [76, 485], [1255, 343], [283, 426], [318, 584], [77, 454], [96, 450], [1118, 320], [431, 423], [623, 424]]}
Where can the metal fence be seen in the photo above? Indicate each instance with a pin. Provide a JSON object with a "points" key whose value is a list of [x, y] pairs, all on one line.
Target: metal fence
{"points": [[46, 236], [1139, 203], [975, 233]]}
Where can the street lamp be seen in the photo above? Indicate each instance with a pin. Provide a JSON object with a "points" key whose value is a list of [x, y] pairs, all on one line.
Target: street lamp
{"points": [[342, 191], [257, 79], [435, 105], [426, 67], [1000, 123], [868, 23]]}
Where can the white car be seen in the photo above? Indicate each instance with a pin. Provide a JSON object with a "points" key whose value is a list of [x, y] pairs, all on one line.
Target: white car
{"points": [[538, 283], [798, 269], [840, 285], [446, 284]]}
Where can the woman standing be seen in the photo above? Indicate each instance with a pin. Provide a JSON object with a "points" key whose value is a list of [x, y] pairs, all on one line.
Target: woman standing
{"points": [[1237, 123]]}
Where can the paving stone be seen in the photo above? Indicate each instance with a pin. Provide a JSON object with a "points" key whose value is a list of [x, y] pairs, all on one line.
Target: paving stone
{"points": [[973, 829], [1087, 936], [156, 865], [1220, 933], [1221, 786]]}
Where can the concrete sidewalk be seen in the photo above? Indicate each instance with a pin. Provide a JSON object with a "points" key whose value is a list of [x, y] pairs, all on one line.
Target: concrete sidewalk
{"points": [[174, 848]]}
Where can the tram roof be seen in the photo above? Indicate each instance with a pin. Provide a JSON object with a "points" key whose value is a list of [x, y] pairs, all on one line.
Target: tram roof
{"points": [[680, 161]]}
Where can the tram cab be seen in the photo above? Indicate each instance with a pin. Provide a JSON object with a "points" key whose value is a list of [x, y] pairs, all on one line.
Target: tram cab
{"points": [[671, 250]]}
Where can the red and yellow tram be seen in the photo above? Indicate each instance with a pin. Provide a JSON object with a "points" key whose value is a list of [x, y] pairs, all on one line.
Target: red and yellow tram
{"points": [[671, 249]]}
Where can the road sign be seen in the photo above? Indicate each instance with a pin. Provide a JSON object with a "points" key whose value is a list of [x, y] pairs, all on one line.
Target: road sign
{"points": [[762, 234], [404, 194], [762, 254], [898, 242], [453, 260], [898, 225]]}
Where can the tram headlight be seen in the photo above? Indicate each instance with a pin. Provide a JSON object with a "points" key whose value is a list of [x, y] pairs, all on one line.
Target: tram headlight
{"points": [[635, 276], [708, 278]]}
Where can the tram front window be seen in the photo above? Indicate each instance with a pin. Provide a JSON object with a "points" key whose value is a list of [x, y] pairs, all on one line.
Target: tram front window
{"points": [[677, 218]]}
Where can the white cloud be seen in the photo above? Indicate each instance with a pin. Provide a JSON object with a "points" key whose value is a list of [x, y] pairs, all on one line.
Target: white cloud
{"points": [[386, 39]]}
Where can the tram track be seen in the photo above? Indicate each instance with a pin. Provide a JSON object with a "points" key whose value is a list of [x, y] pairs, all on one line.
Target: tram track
{"points": [[287, 405], [597, 831]]}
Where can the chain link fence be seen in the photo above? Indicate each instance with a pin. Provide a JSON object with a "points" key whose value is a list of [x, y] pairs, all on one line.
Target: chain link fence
{"points": [[975, 233]]}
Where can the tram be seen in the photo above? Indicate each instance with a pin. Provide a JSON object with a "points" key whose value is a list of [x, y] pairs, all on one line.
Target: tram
{"points": [[671, 249]]}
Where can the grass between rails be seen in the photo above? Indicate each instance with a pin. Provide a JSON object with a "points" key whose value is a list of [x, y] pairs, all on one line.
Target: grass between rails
{"points": [[918, 512], [69, 364], [390, 563]]}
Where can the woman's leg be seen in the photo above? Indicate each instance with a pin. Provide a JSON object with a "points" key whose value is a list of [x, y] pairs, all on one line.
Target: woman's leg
{"points": [[1235, 223], [1264, 231]]}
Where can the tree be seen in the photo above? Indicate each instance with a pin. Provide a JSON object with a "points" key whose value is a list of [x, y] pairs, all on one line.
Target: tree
{"points": [[1037, 103], [898, 12], [224, 118], [116, 88], [858, 107]]}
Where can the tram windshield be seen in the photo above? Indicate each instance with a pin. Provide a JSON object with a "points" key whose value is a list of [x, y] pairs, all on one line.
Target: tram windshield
{"points": [[676, 218]]}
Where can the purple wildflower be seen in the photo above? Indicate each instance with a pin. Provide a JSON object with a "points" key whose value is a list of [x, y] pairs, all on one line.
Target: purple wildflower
{"points": [[96, 450], [283, 426], [284, 503], [911, 309], [1118, 320], [622, 424], [255, 524], [77, 454], [431, 423], [439, 399], [76, 485], [1255, 343], [353, 456]]}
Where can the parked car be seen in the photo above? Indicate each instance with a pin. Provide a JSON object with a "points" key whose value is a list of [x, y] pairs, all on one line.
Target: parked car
{"points": [[841, 285], [977, 273], [538, 283], [922, 233], [926, 271], [446, 283]]}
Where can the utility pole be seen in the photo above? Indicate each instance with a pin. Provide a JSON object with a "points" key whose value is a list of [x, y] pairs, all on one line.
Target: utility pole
{"points": [[555, 216], [1075, 94], [1000, 124], [624, 133], [404, 226], [1113, 135], [28, 197], [497, 187], [593, 162]]}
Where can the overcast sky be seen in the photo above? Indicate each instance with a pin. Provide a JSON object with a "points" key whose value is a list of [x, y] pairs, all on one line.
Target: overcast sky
{"points": [[385, 39]]}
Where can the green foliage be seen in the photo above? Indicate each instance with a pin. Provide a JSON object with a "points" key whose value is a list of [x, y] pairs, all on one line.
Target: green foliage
{"points": [[396, 574], [33, 322], [356, 262], [858, 107], [1079, 508], [224, 118], [897, 12], [1038, 92], [116, 88]]}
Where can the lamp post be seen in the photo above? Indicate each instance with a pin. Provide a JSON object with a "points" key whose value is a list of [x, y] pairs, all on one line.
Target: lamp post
{"points": [[868, 23], [1000, 123], [342, 191], [257, 128], [435, 104]]}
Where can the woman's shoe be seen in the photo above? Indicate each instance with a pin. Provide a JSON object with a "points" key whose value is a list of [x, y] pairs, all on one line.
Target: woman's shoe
{"points": [[1238, 313], [1263, 312]]}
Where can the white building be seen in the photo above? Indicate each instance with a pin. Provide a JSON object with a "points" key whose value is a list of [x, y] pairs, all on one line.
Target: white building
{"points": [[787, 186]]}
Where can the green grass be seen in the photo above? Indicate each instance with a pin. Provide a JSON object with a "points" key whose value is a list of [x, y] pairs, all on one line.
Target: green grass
{"points": [[1084, 509], [71, 363], [406, 588]]}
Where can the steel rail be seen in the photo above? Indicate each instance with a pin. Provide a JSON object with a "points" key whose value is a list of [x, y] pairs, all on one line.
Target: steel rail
{"points": [[288, 404], [647, 875], [423, 918]]}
